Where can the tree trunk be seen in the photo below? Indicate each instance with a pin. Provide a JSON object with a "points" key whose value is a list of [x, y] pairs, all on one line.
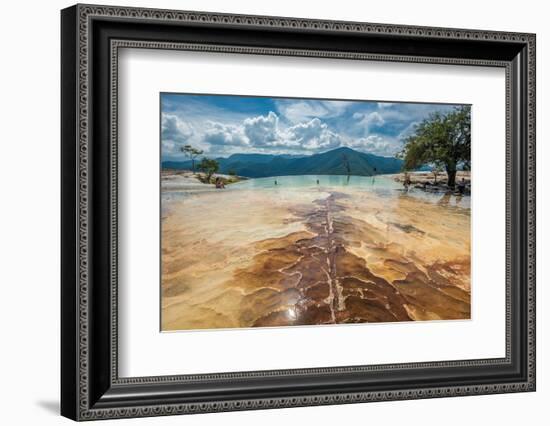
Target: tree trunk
{"points": [[451, 176], [193, 164]]}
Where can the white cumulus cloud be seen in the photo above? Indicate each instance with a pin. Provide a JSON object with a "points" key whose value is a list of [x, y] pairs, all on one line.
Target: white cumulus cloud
{"points": [[314, 135], [369, 120], [225, 134], [175, 133], [265, 133], [376, 144], [303, 110], [262, 130]]}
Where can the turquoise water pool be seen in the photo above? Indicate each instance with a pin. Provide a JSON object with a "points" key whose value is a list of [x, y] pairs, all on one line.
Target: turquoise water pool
{"points": [[308, 181], [383, 185]]}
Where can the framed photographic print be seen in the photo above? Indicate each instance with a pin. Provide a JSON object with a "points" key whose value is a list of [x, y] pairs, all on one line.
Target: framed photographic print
{"points": [[263, 212]]}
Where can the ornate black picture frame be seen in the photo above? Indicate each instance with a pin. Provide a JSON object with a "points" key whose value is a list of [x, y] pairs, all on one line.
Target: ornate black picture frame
{"points": [[91, 36]]}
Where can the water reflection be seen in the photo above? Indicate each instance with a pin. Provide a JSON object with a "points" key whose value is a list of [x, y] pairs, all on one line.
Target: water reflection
{"points": [[384, 186]]}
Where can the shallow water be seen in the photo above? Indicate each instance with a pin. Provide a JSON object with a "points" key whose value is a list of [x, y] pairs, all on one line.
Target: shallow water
{"points": [[344, 250], [382, 185], [310, 181]]}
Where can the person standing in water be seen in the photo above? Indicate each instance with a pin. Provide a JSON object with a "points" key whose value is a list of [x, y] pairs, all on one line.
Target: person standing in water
{"points": [[275, 181], [462, 186], [407, 181]]}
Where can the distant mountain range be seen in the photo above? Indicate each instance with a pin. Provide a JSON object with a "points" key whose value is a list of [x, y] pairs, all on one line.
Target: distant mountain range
{"points": [[340, 161]]}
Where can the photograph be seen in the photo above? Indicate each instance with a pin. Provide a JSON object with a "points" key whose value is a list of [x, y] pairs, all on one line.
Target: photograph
{"points": [[280, 211]]}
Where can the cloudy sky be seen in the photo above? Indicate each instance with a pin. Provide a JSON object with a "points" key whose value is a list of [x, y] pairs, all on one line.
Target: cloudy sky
{"points": [[224, 125]]}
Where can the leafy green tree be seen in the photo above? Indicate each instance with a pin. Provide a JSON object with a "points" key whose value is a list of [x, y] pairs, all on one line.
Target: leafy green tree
{"points": [[191, 153], [209, 167], [443, 140]]}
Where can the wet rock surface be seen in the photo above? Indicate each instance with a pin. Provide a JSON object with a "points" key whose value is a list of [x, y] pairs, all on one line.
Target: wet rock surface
{"points": [[314, 257]]}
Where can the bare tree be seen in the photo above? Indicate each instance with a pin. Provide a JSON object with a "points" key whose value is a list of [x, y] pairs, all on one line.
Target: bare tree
{"points": [[191, 153]]}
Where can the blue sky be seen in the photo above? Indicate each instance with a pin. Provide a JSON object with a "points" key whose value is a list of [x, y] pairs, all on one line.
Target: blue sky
{"points": [[222, 125]]}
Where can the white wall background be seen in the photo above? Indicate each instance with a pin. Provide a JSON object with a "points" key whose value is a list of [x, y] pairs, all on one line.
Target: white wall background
{"points": [[29, 211]]}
